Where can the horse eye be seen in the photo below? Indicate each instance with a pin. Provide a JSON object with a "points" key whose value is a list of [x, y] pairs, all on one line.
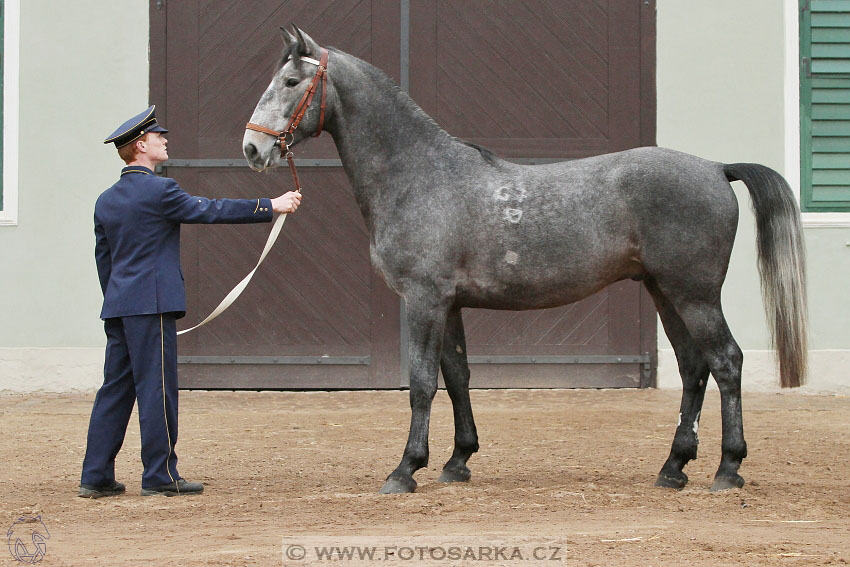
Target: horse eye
{"points": [[292, 82]]}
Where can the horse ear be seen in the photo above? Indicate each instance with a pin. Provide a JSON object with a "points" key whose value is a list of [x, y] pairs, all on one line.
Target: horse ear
{"points": [[306, 45], [288, 38]]}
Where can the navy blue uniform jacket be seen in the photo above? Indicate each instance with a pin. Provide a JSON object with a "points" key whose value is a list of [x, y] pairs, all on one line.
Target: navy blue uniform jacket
{"points": [[137, 230]]}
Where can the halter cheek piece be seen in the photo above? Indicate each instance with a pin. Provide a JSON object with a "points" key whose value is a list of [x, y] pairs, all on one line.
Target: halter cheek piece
{"points": [[286, 137]]}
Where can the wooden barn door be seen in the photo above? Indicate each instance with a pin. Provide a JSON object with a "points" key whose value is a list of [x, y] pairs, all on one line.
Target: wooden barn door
{"points": [[534, 81], [538, 81], [315, 314]]}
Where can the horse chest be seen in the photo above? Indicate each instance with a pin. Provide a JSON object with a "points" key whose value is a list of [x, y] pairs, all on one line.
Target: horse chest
{"points": [[384, 263]]}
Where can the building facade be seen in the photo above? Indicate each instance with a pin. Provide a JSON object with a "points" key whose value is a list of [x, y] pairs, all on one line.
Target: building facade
{"points": [[765, 86]]}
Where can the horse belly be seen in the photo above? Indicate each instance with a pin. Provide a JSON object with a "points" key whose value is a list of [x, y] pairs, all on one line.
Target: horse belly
{"points": [[520, 287]]}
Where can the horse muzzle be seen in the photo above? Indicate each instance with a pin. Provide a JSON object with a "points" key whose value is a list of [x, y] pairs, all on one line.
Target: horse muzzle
{"points": [[260, 151]]}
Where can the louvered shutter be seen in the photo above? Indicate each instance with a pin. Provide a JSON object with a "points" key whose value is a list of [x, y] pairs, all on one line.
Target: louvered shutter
{"points": [[825, 104]]}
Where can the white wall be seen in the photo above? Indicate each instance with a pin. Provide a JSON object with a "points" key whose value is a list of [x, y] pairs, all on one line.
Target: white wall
{"points": [[83, 71], [727, 91]]}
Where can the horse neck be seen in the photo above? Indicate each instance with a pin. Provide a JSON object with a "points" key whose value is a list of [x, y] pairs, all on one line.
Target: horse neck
{"points": [[380, 133]]}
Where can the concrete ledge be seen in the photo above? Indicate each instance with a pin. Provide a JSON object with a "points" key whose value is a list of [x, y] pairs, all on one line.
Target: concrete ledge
{"points": [[81, 369], [50, 369], [828, 372]]}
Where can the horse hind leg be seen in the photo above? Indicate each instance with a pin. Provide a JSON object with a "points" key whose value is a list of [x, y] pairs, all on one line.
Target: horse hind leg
{"points": [[455, 369], [694, 371], [705, 321]]}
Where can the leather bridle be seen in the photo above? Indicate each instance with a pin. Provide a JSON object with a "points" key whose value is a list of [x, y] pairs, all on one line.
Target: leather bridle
{"points": [[286, 137]]}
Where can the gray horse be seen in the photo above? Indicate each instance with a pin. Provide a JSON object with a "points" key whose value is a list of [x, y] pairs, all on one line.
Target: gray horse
{"points": [[443, 238]]}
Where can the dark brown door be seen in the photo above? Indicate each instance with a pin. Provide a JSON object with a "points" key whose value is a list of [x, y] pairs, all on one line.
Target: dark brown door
{"points": [[315, 314], [532, 80], [536, 81]]}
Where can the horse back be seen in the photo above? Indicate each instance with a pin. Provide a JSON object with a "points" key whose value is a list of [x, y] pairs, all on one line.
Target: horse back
{"points": [[521, 237]]}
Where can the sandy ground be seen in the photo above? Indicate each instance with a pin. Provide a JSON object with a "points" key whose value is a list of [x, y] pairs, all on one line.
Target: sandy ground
{"points": [[576, 466]]}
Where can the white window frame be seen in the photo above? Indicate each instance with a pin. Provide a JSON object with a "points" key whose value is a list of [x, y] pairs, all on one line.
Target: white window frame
{"points": [[792, 120], [11, 91]]}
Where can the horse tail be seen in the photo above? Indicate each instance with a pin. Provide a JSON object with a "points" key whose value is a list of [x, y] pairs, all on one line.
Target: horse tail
{"points": [[782, 265]]}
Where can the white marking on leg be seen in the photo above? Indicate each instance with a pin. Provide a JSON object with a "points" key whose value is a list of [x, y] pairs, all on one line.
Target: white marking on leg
{"points": [[459, 349], [680, 420], [511, 257]]}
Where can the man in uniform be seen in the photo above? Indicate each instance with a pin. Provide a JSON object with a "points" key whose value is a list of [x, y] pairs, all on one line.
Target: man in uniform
{"points": [[137, 229]]}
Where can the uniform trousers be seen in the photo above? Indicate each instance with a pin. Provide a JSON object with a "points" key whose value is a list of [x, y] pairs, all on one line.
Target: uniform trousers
{"points": [[141, 364]]}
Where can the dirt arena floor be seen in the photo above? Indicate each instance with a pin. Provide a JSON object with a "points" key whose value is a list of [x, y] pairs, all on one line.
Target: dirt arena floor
{"points": [[577, 466]]}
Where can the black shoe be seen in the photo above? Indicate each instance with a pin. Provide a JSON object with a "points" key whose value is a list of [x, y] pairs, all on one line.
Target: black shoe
{"points": [[175, 488], [94, 491]]}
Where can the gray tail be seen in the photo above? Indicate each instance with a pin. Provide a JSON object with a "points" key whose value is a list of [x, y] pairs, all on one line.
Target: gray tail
{"points": [[782, 265]]}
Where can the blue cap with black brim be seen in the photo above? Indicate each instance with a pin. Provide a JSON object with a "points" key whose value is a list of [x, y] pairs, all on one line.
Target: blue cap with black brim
{"points": [[135, 128]]}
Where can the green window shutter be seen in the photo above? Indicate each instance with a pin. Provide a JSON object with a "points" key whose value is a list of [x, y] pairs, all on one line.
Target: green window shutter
{"points": [[825, 105]]}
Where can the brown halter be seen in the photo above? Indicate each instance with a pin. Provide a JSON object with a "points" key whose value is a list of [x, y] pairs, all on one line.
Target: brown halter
{"points": [[298, 114]]}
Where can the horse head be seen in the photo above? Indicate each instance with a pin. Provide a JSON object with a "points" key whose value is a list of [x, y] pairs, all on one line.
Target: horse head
{"points": [[288, 111]]}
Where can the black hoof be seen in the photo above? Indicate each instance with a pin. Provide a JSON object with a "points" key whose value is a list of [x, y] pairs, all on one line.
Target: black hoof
{"points": [[727, 482], [398, 486], [454, 474], [665, 480]]}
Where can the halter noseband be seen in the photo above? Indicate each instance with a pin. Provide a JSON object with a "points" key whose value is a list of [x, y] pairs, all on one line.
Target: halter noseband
{"points": [[285, 137]]}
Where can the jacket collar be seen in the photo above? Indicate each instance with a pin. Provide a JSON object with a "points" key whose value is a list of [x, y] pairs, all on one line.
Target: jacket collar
{"points": [[136, 169]]}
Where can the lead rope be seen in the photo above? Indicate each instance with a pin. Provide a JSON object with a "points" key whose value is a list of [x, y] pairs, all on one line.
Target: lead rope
{"points": [[240, 287], [294, 121]]}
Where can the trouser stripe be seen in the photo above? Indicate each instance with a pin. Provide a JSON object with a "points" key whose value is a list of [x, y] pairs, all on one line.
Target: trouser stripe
{"points": [[164, 409]]}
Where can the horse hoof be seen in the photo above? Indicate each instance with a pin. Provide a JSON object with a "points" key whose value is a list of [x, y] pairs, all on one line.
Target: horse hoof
{"points": [[455, 475], [727, 482], [666, 481], [398, 486]]}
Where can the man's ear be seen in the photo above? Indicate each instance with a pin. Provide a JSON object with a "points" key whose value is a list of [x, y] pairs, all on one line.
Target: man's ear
{"points": [[306, 45]]}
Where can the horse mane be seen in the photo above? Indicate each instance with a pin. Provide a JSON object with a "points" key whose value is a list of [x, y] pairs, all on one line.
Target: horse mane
{"points": [[408, 103], [488, 155]]}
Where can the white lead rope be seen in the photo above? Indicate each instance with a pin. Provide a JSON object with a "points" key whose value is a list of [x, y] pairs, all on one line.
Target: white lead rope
{"points": [[278, 224], [240, 287]]}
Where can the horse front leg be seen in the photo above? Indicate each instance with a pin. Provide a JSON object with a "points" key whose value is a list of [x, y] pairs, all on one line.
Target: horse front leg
{"points": [[456, 374], [426, 321]]}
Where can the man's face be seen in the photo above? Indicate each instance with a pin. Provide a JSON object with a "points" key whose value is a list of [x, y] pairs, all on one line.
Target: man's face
{"points": [[156, 147]]}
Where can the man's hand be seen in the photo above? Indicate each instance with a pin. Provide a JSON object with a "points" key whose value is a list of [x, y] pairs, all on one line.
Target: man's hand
{"points": [[287, 203]]}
